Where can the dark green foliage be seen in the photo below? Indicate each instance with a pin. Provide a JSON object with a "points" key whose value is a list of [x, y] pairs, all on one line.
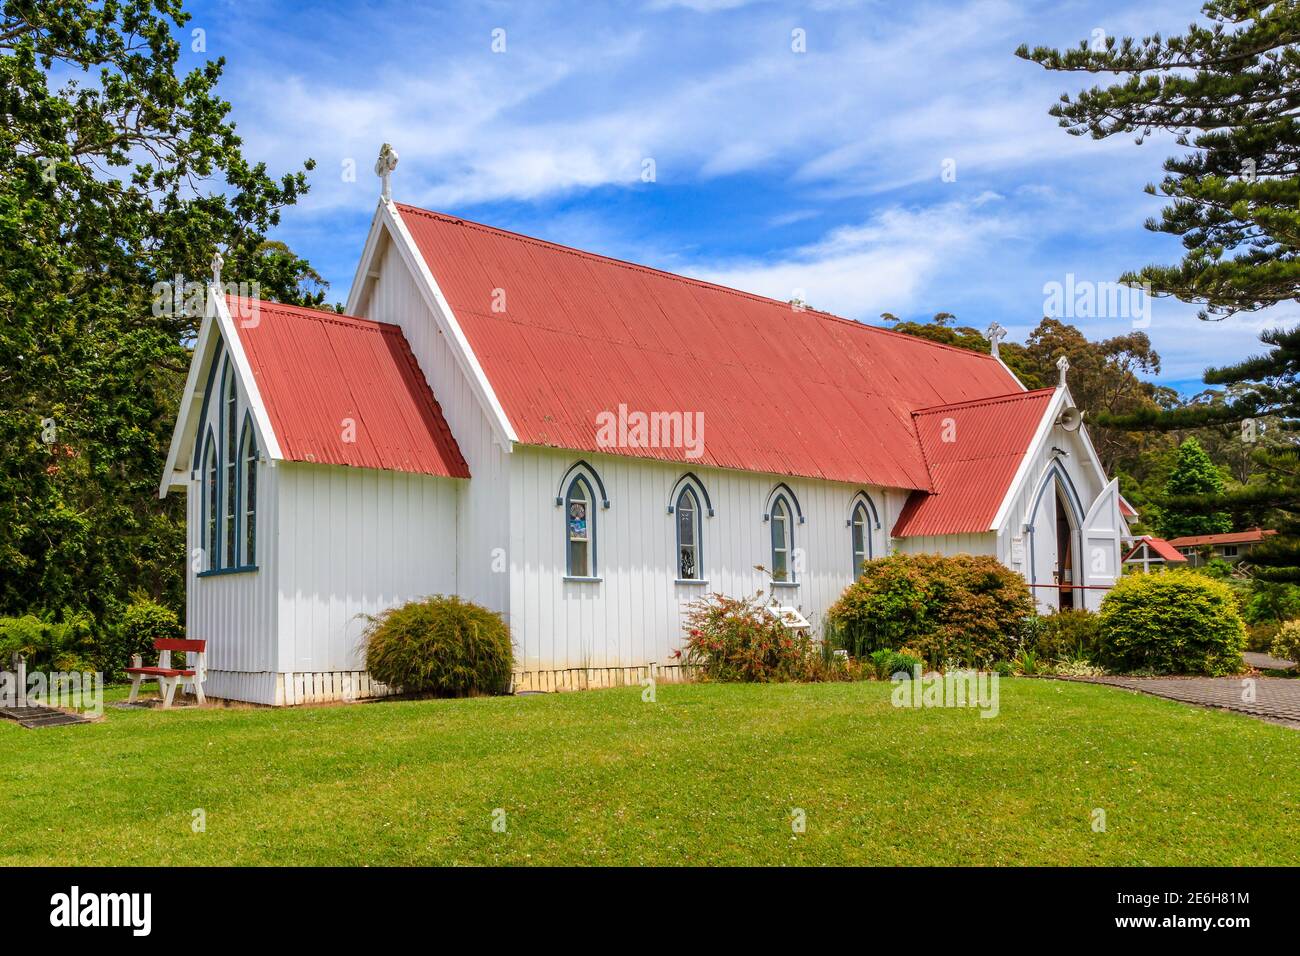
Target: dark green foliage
{"points": [[1175, 622], [959, 610], [49, 645], [1070, 635], [1193, 474], [887, 663], [1228, 92], [143, 622], [117, 171], [440, 645]]}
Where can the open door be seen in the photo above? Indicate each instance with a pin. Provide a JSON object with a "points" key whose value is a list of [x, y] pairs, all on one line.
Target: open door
{"points": [[1099, 565]]}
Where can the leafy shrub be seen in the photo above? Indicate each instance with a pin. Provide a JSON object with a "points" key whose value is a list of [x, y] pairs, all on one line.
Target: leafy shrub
{"points": [[1260, 637], [143, 622], [737, 639], [1287, 643], [440, 645], [47, 644], [1070, 635], [964, 610], [1176, 622]]}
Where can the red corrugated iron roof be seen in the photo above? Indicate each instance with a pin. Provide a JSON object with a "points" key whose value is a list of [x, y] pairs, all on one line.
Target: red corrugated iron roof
{"points": [[1160, 546], [317, 370], [1251, 536], [781, 391], [1126, 509], [974, 450]]}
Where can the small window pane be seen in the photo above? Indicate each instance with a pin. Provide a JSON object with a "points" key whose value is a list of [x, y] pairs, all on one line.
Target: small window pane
{"points": [[780, 541], [688, 565], [578, 521]]}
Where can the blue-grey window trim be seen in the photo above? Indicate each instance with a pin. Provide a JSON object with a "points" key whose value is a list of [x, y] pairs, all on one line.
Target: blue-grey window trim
{"points": [[207, 394], [690, 478], [241, 540], [863, 500], [792, 580], [234, 514], [591, 530], [783, 488], [581, 465], [689, 489], [211, 548]]}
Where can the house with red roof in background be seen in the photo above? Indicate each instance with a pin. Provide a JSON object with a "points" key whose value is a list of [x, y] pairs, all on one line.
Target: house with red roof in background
{"points": [[1154, 554], [1233, 546], [586, 445]]}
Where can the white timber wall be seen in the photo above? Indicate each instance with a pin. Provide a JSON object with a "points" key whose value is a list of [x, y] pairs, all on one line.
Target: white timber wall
{"points": [[234, 612], [353, 542], [985, 543], [634, 614], [482, 534]]}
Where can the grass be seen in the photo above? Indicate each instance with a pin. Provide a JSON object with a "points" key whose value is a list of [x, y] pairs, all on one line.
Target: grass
{"points": [[708, 774]]}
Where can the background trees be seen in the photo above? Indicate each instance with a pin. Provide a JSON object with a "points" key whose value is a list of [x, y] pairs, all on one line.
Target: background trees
{"points": [[117, 171], [1228, 92]]}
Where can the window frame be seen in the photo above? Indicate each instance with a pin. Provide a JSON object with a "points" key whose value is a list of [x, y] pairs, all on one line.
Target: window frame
{"points": [[210, 471], [860, 525], [781, 505], [580, 481], [688, 495], [230, 466], [249, 459]]}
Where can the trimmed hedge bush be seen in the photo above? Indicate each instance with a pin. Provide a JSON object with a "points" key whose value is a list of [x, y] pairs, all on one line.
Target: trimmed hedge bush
{"points": [[1175, 622], [440, 645], [1287, 643], [960, 610]]}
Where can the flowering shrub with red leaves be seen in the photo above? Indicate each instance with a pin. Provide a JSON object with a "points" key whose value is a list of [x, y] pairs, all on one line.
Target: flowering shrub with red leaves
{"points": [[736, 639]]}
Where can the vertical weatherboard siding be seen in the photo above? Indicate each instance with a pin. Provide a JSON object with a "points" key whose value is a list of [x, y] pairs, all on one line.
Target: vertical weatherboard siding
{"points": [[482, 535], [353, 542], [634, 614]]}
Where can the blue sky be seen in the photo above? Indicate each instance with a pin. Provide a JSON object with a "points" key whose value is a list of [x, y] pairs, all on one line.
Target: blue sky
{"points": [[819, 173]]}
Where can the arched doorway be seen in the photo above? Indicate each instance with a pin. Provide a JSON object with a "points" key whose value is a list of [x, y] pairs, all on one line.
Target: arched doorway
{"points": [[1055, 524]]}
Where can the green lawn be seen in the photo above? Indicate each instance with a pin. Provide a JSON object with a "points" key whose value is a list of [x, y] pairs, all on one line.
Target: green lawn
{"points": [[708, 774]]}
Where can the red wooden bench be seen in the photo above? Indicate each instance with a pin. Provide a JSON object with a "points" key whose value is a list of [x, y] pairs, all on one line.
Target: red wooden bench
{"points": [[168, 677]]}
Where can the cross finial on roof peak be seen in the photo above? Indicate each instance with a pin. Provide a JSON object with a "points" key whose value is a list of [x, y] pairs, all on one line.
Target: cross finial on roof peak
{"points": [[1062, 366], [218, 260], [995, 334], [384, 167]]}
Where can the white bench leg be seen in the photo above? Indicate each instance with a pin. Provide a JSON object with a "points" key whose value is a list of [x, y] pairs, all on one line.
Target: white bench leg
{"points": [[135, 688], [169, 684], [198, 692]]}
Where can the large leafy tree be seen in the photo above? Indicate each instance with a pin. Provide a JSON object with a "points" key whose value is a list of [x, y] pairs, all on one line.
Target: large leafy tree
{"points": [[117, 171], [1228, 92]]}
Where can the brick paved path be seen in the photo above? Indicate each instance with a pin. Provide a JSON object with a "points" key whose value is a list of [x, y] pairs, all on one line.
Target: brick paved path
{"points": [[1267, 662], [1275, 698]]}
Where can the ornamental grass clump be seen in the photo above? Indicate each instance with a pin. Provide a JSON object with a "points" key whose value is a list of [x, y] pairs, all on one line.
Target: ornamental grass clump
{"points": [[440, 645]]}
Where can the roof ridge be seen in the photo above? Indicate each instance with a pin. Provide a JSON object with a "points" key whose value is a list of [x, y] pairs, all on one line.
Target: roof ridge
{"points": [[628, 264], [323, 315], [987, 400]]}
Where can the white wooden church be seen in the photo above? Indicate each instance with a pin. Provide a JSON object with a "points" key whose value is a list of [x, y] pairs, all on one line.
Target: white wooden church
{"points": [[587, 445]]}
